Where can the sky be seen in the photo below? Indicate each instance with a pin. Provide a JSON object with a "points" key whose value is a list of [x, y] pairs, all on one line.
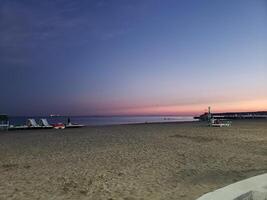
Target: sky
{"points": [[132, 57]]}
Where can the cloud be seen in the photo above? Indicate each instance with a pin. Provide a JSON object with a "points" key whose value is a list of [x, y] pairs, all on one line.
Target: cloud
{"points": [[24, 24], [28, 26]]}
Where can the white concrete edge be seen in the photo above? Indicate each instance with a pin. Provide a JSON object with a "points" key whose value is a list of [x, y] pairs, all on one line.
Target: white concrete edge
{"points": [[232, 191]]}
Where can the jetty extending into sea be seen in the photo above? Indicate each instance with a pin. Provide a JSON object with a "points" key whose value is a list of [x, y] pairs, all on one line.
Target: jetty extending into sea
{"points": [[234, 115]]}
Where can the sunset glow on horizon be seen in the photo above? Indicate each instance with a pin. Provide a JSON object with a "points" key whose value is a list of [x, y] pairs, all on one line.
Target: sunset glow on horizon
{"points": [[149, 57], [185, 110]]}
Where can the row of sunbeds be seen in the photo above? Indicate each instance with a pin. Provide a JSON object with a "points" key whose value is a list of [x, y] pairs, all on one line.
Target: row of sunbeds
{"points": [[219, 123], [43, 124]]}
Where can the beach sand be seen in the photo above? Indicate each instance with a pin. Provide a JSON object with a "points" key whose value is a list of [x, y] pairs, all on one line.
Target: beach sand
{"points": [[165, 161]]}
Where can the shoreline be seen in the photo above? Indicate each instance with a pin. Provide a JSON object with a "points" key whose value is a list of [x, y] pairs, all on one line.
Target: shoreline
{"points": [[145, 123], [102, 125], [101, 120]]}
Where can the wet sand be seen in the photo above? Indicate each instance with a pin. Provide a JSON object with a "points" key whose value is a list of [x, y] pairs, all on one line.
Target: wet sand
{"points": [[129, 162]]}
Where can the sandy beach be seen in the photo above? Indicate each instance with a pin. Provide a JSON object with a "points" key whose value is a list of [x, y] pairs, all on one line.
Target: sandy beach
{"points": [[164, 161]]}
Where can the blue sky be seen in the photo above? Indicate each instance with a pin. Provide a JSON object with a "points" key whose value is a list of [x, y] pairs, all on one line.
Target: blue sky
{"points": [[132, 56]]}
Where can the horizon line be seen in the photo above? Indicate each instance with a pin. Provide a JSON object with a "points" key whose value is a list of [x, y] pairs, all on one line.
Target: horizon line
{"points": [[132, 115]]}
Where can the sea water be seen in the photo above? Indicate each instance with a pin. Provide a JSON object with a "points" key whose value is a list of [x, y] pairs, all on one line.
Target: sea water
{"points": [[102, 120]]}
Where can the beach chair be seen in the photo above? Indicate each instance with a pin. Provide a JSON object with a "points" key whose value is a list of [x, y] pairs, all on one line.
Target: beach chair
{"points": [[4, 123], [44, 123], [71, 125], [219, 123], [32, 123]]}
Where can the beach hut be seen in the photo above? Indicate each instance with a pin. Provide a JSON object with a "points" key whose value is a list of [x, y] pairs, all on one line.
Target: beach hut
{"points": [[4, 123]]}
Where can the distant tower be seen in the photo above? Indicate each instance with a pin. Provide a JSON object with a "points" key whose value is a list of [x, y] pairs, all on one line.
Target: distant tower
{"points": [[209, 114]]}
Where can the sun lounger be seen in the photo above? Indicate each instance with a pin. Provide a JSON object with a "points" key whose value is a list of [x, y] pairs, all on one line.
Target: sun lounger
{"points": [[44, 123], [70, 125], [219, 123], [20, 127], [32, 123], [73, 125]]}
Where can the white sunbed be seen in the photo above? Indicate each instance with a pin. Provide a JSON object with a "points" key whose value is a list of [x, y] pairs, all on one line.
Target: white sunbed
{"points": [[19, 127], [219, 123], [70, 125], [32, 123], [45, 124]]}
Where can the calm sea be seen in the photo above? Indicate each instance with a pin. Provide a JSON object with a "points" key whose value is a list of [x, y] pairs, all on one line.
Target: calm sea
{"points": [[90, 121]]}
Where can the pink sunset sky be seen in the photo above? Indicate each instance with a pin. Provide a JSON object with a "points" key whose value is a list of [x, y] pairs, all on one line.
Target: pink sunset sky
{"points": [[132, 57]]}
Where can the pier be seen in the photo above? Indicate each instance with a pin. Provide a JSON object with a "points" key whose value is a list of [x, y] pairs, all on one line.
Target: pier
{"points": [[234, 115]]}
